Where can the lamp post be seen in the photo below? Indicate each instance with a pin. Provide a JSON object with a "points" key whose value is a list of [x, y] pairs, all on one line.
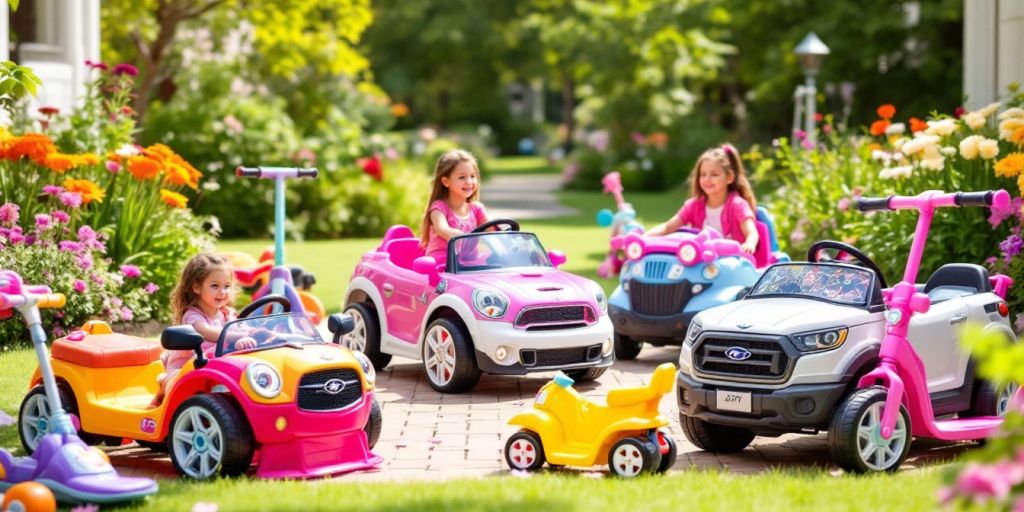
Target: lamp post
{"points": [[811, 51]]}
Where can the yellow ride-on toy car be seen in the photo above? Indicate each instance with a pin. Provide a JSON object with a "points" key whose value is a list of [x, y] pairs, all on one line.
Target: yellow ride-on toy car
{"points": [[566, 429]]}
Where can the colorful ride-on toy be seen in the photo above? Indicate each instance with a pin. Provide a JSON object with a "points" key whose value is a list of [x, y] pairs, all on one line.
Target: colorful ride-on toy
{"points": [[667, 280], [622, 221], [297, 406], [498, 305], [565, 428]]}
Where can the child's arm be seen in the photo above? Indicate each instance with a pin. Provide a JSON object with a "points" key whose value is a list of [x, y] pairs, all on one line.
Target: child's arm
{"points": [[441, 227], [207, 331], [669, 226], [749, 229]]}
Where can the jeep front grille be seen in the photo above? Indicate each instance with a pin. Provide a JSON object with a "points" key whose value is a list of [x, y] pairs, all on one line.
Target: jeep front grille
{"points": [[316, 395]]}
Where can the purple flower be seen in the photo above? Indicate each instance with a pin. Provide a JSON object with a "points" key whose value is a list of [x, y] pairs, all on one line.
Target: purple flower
{"points": [[80, 286], [70, 199], [70, 246], [1001, 214], [14, 236], [130, 271], [52, 190], [9, 213], [96, 278], [57, 331], [126, 314], [151, 288], [125, 69], [84, 261], [43, 222], [87, 235], [117, 302], [1011, 246], [60, 216], [113, 166]]}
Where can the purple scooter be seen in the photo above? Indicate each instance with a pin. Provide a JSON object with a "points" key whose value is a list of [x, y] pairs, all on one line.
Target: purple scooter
{"points": [[73, 470]]}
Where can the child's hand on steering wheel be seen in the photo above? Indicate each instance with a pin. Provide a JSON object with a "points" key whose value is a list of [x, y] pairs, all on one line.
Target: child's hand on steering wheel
{"points": [[245, 343]]}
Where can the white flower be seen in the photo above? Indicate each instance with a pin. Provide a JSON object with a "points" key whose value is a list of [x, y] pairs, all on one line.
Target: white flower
{"points": [[935, 164], [989, 109], [941, 127], [895, 129], [1012, 112], [969, 146], [898, 143], [896, 172], [988, 148], [973, 120], [128, 150], [919, 143], [878, 154], [948, 150]]}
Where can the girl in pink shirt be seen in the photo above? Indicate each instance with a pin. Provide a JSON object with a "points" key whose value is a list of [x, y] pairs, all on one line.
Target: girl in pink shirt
{"points": [[721, 198], [454, 207]]}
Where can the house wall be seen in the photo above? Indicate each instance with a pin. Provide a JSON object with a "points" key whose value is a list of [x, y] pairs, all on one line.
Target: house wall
{"points": [[993, 40]]}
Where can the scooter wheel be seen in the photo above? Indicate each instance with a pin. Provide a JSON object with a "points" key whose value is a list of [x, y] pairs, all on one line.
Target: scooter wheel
{"points": [[524, 451], [854, 437], [632, 456], [29, 496]]}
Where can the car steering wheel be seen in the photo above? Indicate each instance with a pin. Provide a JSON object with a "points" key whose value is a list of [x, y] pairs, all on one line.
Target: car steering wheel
{"points": [[263, 301], [512, 225], [862, 259]]}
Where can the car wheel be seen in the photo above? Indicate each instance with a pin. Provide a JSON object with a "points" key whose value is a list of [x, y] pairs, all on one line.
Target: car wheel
{"points": [[365, 335], [448, 357], [153, 446], [210, 436], [668, 458], [990, 399], [373, 424], [34, 419], [586, 374], [633, 456], [625, 348], [854, 437], [524, 451], [715, 438]]}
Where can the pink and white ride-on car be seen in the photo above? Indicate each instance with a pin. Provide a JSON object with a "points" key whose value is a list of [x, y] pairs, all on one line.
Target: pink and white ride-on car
{"points": [[498, 305]]}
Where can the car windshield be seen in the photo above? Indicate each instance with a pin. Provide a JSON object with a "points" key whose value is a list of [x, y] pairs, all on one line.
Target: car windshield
{"points": [[264, 332], [841, 284], [501, 249]]}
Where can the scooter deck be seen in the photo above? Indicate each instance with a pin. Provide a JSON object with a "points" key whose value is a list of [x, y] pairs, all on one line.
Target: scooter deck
{"points": [[963, 429]]}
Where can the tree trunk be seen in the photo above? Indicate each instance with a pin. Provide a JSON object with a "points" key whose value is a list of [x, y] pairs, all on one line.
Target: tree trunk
{"points": [[568, 106]]}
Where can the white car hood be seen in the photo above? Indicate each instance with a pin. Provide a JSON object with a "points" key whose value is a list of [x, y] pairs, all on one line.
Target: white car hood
{"points": [[782, 315]]}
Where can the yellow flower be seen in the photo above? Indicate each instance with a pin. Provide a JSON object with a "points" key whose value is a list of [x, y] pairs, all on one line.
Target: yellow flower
{"points": [[1017, 137], [173, 199], [86, 159], [1011, 165], [88, 190], [177, 175]]}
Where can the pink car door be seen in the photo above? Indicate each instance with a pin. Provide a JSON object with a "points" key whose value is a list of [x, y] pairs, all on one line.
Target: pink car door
{"points": [[405, 299]]}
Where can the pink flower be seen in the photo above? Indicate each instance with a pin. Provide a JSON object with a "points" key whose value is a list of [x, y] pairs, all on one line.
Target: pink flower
{"points": [[15, 236], [86, 235], [9, 213], [827, 129], [151, 288], [306, 156], [201, 506], [43, 222], [807, 144], [844, 204], [80, 286], [57, 331], [60, 216], [130, 271], [70, 199], [113, 166], [800, 134], [52, 190], [126, 314], [233, 124], [86, 508], [391, 153], [984, 481], [638, 138], [125, 69], [84, 261], [69, 246], [96, 65]]}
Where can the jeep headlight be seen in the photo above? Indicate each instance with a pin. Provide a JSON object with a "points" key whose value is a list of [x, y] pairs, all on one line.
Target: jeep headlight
{"points": [[263, 379], [821, 340], [692, 333], [368, 372], [490, 303]]}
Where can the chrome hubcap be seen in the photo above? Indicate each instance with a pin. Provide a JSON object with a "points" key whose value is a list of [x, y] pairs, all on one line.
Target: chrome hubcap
{"points": [[876, 452], [1003, 404], [198, 443], [439, 355], [356, 340], [628, 460]]}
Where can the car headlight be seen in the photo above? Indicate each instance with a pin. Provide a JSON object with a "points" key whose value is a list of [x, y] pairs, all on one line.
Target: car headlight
{"points": [[634, 251], [692, 333], [263, 379], [675, 271], [711, 271], [687, 253], [636, 269], [821, 340], [490, 303], [602, 301], [368, 372]]}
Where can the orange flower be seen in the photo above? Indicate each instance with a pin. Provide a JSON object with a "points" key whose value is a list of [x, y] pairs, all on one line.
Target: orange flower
{"points": [[59, 162], [399, 110], [86, 159], [874, 146], [917, 125], [32, 145], [88, 190], [1011, 165], [878, 127], [173, 199], [143, 167], [1017, 137], [886, 111], [168, 158], [658, 139], [177, 175]]}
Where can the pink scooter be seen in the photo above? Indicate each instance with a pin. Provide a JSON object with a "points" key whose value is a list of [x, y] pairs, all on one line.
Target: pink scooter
{"points": [[873, 428]]}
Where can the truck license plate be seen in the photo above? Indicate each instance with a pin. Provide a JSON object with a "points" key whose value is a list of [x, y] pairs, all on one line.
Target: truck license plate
{"points": [[733, 401]]}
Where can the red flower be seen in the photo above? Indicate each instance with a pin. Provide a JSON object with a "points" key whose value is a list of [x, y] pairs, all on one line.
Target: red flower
{"points": [[917, 125], [125, 69], [818, 117], [878, 127], [96, 65], [886, 111], [372, 167], [49, 111], [959, 111]]}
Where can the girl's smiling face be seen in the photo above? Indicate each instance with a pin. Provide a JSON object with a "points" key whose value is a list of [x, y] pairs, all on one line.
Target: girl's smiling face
{"points": [[462, 182], [714, 180], [214, 291]]}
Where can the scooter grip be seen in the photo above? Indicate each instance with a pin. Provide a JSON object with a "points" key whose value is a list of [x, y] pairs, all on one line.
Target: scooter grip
{"points": [[248, 172], [311, 172], [985, 198], [865, 204], [51, 300]]}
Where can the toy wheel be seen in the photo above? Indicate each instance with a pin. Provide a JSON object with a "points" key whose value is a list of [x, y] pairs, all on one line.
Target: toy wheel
{"points": [[524, 451], [28, 496], [715, 438], [210, 436], [668, 457], [625, 348], [855, 439], [448, 357], [373, 424], [990, 399], [632, 456], [365, 336], [34, 419], [586, 374]]}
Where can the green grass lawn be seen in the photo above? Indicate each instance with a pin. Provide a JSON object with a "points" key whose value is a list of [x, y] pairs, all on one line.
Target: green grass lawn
{"points": [[520, 165]]}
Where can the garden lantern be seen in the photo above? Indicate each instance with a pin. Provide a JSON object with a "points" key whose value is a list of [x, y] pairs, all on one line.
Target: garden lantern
{"points": [[811, 51]]}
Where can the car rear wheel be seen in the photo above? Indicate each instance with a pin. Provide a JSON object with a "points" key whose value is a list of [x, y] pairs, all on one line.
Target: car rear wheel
{"points": [[210, 436], [626, 348], [365, 335], [990, 399], [34, 419], [715, 438], [448, 357]]}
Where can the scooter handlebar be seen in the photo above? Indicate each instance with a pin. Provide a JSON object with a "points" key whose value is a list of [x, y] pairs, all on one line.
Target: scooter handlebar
{"points": [[51, 300], [991, 198], [987, 198], [865, 204], [276, 172]]}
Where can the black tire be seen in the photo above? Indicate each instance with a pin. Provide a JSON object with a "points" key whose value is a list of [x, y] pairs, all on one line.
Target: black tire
{"points": [[632, 456], [586, 374], [843, 439], [988, 400], [668, 459], [519, 446], [464, 373], [236, 439], [70, 406], [373, 424], [625, 348], [715, 438], [371, 326]]}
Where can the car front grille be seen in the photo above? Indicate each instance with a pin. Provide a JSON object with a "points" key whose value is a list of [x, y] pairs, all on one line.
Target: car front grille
{"points": [[559, 356], [654, 269], [767, 358], [659, 299], [319, 391], [559, 317]]}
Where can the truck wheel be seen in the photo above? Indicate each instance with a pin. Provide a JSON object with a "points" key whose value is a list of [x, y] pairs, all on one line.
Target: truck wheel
{"points": [[210, 436], [715, 438], [632, 456], [625, 348], [586, 374], [448, 357], [524, 451], [990, 400], [365, 336], [854, 437], [373, 424]]}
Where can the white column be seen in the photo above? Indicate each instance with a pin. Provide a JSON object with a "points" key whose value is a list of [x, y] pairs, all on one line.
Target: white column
{"points": [[5, 35], [1010, 30], [980, 34], [74, 26]]}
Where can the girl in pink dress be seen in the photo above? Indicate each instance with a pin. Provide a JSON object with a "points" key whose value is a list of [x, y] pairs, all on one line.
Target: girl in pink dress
{"points": [[454, 207]]}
